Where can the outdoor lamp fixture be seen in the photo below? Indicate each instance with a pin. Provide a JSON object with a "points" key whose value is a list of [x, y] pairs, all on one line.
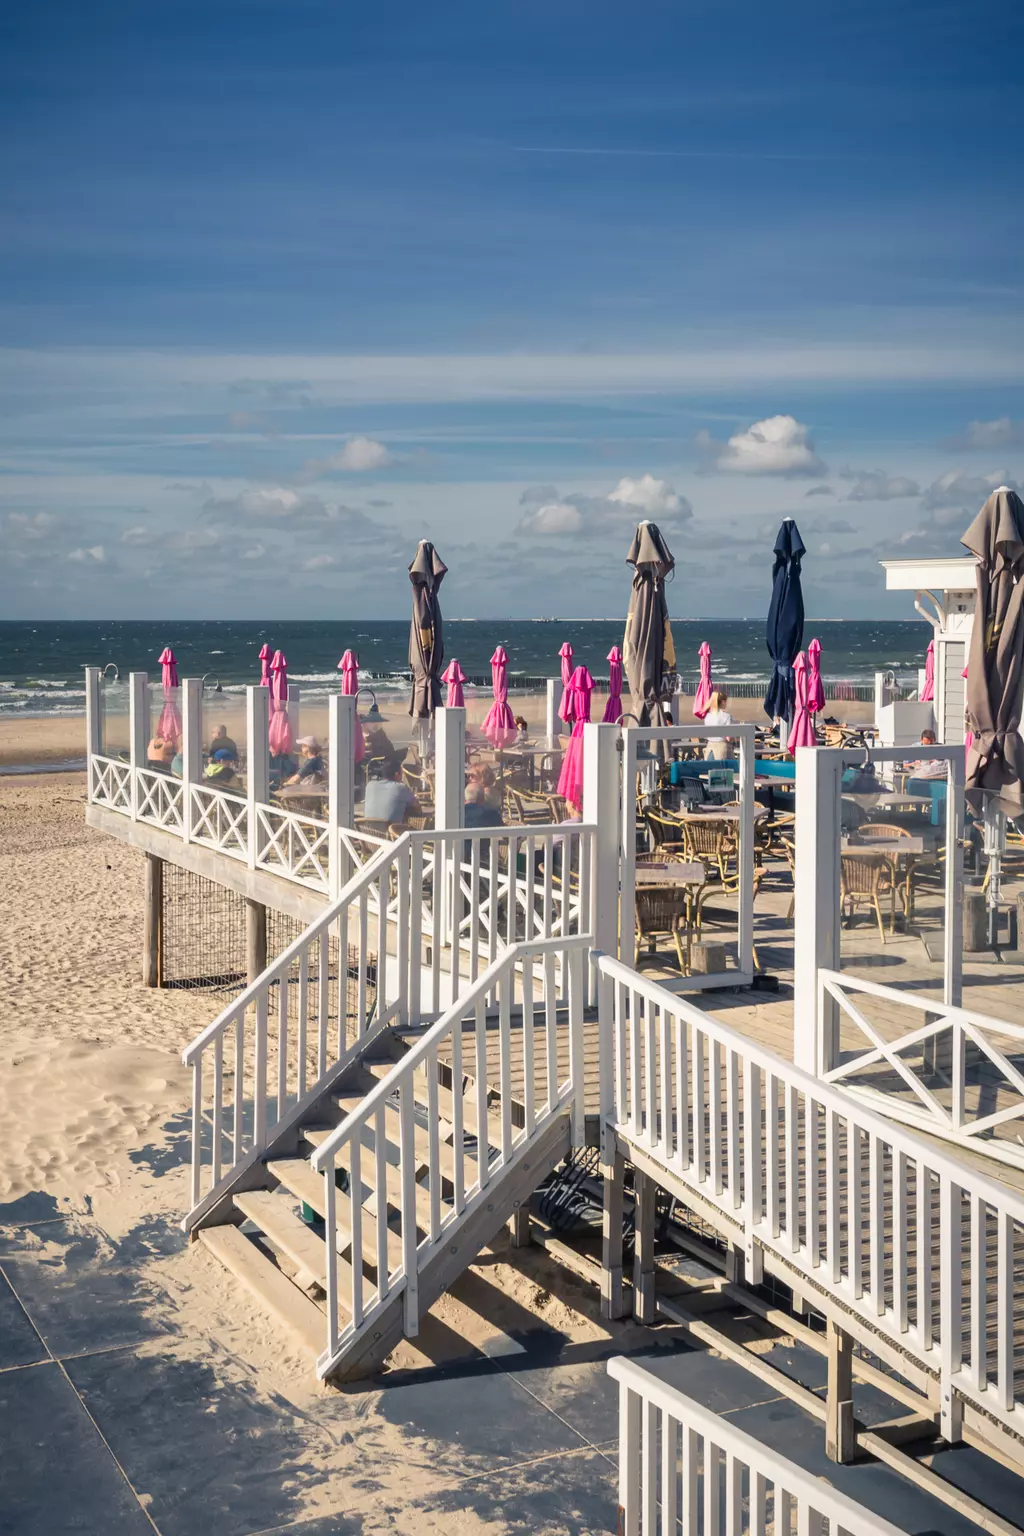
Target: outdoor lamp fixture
{"points": [[217, 688], [106, 669], [373, 715], [642, 750]]}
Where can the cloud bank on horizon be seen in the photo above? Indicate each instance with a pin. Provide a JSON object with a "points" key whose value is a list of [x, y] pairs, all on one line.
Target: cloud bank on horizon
{"points": [[511, 299]]}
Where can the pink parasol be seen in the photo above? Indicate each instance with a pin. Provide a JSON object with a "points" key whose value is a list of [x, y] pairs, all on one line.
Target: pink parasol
{"points": [[265, 657], [565, 708], [500, 724], [801, 732], [613, 708], [815, 687], [348, 666], [279, 736], [454, 676], [570, 780], [169, 728], [702, 698], [928, 691]]}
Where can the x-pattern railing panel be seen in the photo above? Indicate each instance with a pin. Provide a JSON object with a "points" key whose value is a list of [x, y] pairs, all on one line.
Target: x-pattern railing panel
{"points": [[160, 800], [220, 820], [294, 846], [111, 783]]}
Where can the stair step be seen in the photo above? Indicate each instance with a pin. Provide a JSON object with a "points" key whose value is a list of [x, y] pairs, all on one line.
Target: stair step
{"points": [[268, 1284], [289, 1233], [446, 1155], [446, 1103], [392, 1175], [296, 1174]]}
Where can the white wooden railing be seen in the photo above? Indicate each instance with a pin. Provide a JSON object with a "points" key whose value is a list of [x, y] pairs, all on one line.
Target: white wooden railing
{"points": [[685, 1471], [923, 1047], [110, 783], [919, 1245], [435, 1196], [292, 845], [159, 800], [220, 820]]}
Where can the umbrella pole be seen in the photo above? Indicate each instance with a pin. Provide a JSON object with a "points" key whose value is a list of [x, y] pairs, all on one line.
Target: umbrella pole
{"points": [[993, 842]]}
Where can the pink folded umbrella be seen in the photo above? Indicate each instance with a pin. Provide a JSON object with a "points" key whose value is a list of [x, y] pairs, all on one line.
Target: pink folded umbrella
{"points": [[279, 736], [500, 724], [928, 691], [570, 780], [564, 709], [613, 708], [815, 686], [702, 698], [169, 728], [801, 733], [454, 676], [265, 658], [348, 666]]}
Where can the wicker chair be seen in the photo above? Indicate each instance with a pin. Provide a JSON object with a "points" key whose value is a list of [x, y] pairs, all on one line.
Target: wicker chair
{"points": [[528, 807], [667, 834], [864, 878], [712, 842], [663, 911]]}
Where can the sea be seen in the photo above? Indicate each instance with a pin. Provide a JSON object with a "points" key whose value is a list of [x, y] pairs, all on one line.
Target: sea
{"points": [[41, 662]]}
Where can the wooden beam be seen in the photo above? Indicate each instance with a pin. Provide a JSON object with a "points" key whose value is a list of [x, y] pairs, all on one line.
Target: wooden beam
{"points": [[840, 1436], [613, 1171], [643, 1248], [153, 923]]}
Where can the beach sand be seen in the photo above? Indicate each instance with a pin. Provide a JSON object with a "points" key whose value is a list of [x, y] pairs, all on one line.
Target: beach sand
{"points": [[61, 740]]}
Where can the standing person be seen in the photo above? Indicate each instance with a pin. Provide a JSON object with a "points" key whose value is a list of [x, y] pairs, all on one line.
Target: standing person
{"points": [[718, 715]]}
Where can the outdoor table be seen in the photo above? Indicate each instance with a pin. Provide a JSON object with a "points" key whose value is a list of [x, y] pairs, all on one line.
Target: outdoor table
{"points": [[310, 800], [899, 851], [719, 813], [529, 755]]}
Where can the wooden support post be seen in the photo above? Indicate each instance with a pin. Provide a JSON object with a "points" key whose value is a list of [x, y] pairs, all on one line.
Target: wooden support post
{"points": [[613, 1172], [93, 722], [552, 700], [450, 768], [341, 785], [257, 724], [294, 701], [643, 1248], [819, 772], [601, 809], [191, 747], [255, 940], [840, 1436], [153, 923], [138, 731], [519, 1226]]}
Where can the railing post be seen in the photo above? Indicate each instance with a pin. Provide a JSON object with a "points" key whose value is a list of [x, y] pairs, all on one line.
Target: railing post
{"points": [[294, 703], [554, 693], [191, 748], [953, 958], [93, 724], [745, 856], [450, 767], [258, 759], [819, 775], [601, 809], [341, 786], [138, 731]]}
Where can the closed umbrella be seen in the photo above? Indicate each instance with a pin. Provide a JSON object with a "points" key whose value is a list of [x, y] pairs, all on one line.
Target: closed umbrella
{"points": [[169, 728], [928, 690], [500, 724], [570, 780], [815, 686], [426, 634], [802, 730], [702, 698], [266, 655], [785, 631], [995, 667], [279, 735], [648, 654], [348, 666], [613, 708], [565, 708], [454, 676]]}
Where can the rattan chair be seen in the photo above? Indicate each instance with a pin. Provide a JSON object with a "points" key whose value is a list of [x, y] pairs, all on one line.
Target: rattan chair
{"points": [[864, 878], [667, 834], [710, 841], [664, 911]]}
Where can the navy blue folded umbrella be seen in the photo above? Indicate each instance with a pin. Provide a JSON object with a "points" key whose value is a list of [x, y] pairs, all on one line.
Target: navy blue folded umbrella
{"points": [[785, 632]]}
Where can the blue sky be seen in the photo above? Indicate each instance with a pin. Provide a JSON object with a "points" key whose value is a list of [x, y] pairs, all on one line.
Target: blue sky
{"points": [[286, 286]]}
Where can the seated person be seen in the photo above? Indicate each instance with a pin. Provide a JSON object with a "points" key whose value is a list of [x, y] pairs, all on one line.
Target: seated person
{"points": [[282, 766], [310, 769], [387, 798], [477, 812], [522, 731], [160, 752], [482, 776], [177, 764], [932, 768], [220, 771], [221, 742]]}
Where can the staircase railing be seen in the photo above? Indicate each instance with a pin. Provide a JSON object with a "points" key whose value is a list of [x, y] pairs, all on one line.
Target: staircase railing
{"points": [[684, 1470], [919, 1245], [440, 1181]]}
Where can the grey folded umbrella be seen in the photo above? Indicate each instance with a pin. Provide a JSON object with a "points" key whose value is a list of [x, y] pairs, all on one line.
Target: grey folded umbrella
{"points": [[648, 654], [995, 667], [426, 636]]}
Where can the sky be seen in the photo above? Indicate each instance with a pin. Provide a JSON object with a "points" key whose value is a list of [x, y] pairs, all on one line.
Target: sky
{"points": [[287, 285]]}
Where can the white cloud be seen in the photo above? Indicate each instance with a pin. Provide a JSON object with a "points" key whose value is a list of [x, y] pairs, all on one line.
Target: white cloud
{"points": [[553, 517], [655, 497], [320, 562], [138, 535], [94, 555], [255, 553], [1001, 433], [32, 525], [876, 485], [957, 489], [778, 445], [359, 455]]}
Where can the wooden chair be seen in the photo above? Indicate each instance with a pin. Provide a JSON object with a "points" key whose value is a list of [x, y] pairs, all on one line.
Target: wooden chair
{"points": [[864, 878], [529, 807], [372, 827], [664, 911]]}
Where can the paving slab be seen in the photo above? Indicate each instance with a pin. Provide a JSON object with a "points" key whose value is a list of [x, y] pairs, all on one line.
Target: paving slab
{"points": [[20, 1344]]}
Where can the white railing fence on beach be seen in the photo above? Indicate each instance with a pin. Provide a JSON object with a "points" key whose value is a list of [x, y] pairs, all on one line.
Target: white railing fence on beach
{"points": [[440, 1180], [919, 1245], [686, 1471]]}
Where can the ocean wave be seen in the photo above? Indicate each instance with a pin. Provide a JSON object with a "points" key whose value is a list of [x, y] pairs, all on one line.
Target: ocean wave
{"points": [[48, 682]]}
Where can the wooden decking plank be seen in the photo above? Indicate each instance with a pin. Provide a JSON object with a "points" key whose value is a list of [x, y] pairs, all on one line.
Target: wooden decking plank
{"points": [[268, 1284]]}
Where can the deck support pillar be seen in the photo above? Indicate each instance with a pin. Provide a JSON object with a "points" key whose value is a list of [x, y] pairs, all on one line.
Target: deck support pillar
{"points": [[819, 773], [613, 1173], [255, 940], [552, 700], [519, 1226], [840, 1435], [153, 923], [643, 1251]]}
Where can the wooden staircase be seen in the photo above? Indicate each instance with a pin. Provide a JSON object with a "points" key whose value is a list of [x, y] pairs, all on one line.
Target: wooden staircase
{"points": [[269, 1228]]}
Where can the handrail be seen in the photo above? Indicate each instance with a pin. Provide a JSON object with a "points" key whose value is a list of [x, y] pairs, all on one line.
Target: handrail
{"points": [[639, 1448], [481, 989], [840, 1103], [279, 967], [988, 1021]]}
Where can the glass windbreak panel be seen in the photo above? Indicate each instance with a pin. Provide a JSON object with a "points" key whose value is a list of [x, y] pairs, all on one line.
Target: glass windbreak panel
{"points": [[114, 719], [223, 736], [163, 728]]}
